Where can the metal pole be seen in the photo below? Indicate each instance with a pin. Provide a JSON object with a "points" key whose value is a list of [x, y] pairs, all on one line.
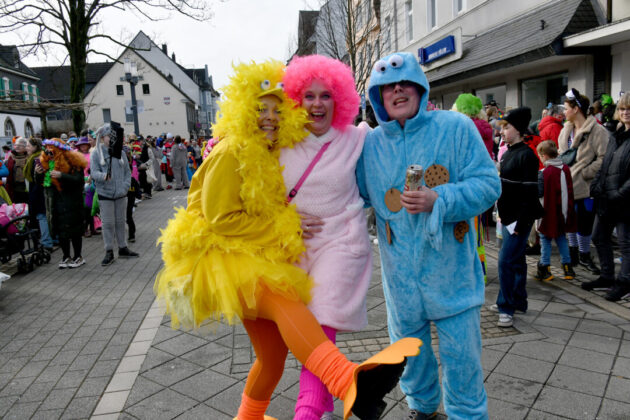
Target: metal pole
{"points": [[134, 105]]}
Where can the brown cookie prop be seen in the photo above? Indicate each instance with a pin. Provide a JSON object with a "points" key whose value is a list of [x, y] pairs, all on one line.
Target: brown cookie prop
{"points": [[436, 175], [460, 230], [392, 200], [388, 231]]}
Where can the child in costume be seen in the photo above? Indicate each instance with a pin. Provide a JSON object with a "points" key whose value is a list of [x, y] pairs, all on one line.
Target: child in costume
{"points": [[338, 252], [63, 176], [431, 271], [231, 253], [555, 190]]}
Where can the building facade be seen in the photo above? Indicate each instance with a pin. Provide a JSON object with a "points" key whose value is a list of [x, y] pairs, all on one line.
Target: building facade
{"points": [[515, 52], [18, 83]]}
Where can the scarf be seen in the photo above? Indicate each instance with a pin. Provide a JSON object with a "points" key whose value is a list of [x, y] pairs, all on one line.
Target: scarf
{"points": [[30, 163]]}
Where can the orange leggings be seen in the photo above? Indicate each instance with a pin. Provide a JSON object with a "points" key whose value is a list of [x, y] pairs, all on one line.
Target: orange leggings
{"points": [[284, 324]]}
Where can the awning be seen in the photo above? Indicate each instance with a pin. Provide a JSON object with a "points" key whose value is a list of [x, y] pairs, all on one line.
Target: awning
{"points": [[612, 33], [533, 36]]}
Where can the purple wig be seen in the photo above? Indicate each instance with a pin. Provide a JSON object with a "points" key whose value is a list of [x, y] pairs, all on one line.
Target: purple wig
{"points": [[335, 75]]}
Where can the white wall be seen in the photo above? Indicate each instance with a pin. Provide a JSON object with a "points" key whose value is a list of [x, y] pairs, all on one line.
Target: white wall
{"points": [[163, 63], [157, 117], [19, 122], [620, 77]]}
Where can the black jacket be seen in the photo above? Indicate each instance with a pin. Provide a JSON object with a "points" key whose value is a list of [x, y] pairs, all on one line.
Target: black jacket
{"points": [[519, 185], [611, 185]]}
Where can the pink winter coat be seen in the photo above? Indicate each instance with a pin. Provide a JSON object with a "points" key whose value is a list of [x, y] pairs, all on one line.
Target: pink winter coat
{"points": [[486, 132], [340, 257]]}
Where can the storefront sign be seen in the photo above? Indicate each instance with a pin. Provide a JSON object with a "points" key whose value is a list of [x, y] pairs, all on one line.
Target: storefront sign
{"points": [[443, 47]]}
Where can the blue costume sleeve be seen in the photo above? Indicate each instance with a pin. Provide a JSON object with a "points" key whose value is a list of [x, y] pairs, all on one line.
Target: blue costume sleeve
{"points": [[476, 189], [360, 174]]}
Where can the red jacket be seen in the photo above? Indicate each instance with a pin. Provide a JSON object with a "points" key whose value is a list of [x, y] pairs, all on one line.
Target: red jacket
{"points": [[549, 129], [553, 223], [485, 130], [533, 141]]}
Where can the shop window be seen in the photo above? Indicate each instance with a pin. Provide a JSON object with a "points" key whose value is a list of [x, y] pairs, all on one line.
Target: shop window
{"points": [[492, 93], [145, 89], [119, 90], [537, 92]]}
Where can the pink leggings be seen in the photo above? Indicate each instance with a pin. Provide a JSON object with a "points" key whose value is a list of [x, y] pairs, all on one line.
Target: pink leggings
{"points": [[314, 399]]}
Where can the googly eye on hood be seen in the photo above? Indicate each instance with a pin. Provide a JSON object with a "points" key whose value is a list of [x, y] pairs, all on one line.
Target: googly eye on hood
{"points": [[393, 68]]}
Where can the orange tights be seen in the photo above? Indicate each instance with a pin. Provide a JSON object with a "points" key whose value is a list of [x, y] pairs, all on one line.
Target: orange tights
{"points": [[284, 324]]}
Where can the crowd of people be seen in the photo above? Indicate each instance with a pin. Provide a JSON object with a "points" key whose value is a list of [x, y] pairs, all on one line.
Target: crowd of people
{"points": [[68, 178]]}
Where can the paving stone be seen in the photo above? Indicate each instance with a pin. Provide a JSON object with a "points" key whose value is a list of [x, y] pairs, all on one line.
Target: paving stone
{"points": [[37, 391], [47, 414], [490, 358], [172, 372], [539, 415], [93, 387], [157, 357], [166, 404], [594, 342], [618, 389], [203, 412], [524, 368], [599, 328], [142, 389], [80, 408], [229, 400], [103, 368], [505, 410], [58, 398], [6, 403], [204, 385], [556, 321], [622, 367], [579, 380], [614, 410], [547, 352], [563, 309], [20, 411], [568, 403], [72, 379], [16, 386], [586, 359], [182, 344], [514, 390]]}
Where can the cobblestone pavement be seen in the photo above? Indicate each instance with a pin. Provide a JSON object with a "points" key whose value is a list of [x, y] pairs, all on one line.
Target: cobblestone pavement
{"points": [[92, 342]]}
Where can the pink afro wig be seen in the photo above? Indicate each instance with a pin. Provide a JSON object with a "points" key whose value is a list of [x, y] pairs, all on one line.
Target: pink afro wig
{"points": [[335, 75]]}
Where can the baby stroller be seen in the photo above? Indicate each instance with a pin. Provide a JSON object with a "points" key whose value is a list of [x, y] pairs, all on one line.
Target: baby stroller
{"points": [[17, 237]]}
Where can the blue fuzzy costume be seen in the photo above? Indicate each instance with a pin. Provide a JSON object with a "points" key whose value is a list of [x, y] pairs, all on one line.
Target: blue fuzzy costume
{"points": [[428, 275]]}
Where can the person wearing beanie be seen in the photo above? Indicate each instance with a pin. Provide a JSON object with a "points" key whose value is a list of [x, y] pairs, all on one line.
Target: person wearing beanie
{"points": [[582, 132], [518, 207]]}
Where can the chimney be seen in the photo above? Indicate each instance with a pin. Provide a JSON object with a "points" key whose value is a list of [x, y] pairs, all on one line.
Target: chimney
{"points": [[164, 49], [173, 57]]}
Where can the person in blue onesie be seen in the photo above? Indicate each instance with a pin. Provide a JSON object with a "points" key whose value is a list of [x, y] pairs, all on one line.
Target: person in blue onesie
{"points": [[429, 263]]}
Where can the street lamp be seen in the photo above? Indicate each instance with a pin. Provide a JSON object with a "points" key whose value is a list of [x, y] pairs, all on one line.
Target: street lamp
{"points": [[131, 75]]}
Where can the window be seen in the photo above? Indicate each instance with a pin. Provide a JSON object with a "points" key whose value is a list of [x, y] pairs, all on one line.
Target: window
{"points": [[34, 93], [119, 90], [9, 128], [387, 36], [431, 14], [458, 6], [28, 129], [145, 89], [538, 92], [4, 88], [409, 20], [107, 115], [128, 115]]}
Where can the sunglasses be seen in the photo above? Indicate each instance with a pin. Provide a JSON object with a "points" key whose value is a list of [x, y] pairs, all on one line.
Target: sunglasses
{"points": [[49, 153], [574, 95]]}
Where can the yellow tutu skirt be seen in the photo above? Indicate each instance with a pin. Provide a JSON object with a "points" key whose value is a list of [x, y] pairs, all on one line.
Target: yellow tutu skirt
{"points": [[203, 279]]}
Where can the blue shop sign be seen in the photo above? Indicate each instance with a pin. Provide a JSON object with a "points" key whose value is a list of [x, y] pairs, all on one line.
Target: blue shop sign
{"points": [[444, 46]]}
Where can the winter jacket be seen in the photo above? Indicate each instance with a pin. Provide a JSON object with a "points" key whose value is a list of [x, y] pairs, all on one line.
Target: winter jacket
{"points": [[592, 141], [67, 206], [486, 132], [611, 186], [549, 129], [118, 185], [557, 199], [15, 181], [179, 155], [519, 183]]}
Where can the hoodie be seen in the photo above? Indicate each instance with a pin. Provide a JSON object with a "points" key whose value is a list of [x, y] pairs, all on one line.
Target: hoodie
{"points": [[550, 128], [425, 263]]}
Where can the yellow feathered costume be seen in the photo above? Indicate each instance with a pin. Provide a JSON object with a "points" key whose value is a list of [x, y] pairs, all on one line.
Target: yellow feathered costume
{"points": [[237, 231]]}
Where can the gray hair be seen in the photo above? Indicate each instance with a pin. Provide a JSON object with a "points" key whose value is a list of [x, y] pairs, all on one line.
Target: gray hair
{"points": [[556, 109], [21, 141]]}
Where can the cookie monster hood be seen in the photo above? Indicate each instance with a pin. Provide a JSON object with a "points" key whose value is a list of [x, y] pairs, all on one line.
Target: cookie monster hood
{"points": [[396, 67]]}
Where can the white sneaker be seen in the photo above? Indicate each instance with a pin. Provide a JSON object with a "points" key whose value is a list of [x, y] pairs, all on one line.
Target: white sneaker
{"points": [[327, 416], [505, 321], [493, 308], [78, 262], [65, 263]]}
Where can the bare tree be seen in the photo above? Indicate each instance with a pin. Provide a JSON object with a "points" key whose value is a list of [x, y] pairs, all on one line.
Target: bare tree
{"points": [[350, 31], [74, 25]]}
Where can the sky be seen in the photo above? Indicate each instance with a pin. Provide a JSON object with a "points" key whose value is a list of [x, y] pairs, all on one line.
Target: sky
{"points": [[240, 30]]}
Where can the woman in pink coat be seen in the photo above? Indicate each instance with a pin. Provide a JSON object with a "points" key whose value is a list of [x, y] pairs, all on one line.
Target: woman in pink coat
{"points": [[339, 255]]}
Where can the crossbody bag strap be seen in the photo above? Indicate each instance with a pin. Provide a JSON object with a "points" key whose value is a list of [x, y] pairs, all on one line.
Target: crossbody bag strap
{"points": [[307, 172]]}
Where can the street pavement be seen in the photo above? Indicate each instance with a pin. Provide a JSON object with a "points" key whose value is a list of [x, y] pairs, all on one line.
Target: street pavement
{"points": [[92, 342]]}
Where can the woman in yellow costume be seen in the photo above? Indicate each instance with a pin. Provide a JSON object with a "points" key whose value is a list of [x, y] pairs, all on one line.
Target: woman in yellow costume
{"points": [[230, 254]]}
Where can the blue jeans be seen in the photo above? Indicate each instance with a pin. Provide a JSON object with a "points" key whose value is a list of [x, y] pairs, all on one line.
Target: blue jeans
{"points": [[513, 272], [44, 231], [545, 249]]}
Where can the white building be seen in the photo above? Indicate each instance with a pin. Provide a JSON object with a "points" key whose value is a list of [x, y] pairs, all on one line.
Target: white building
{"points": [[162, 105], [516, 52]]}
